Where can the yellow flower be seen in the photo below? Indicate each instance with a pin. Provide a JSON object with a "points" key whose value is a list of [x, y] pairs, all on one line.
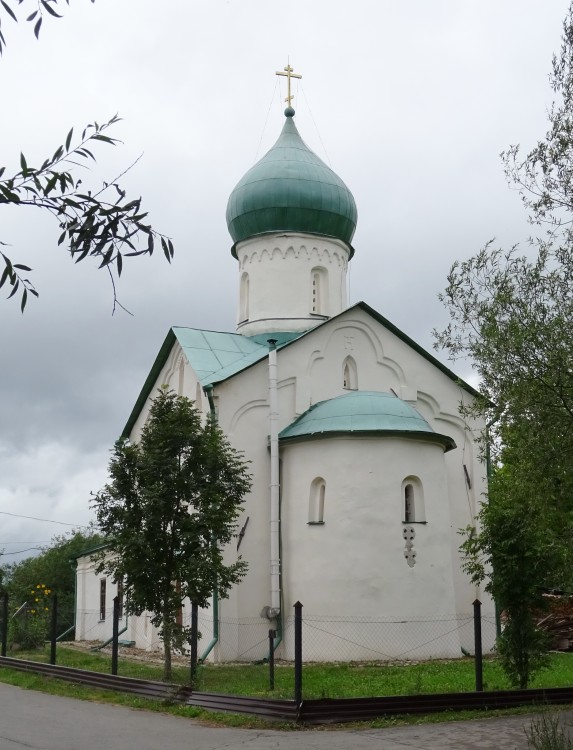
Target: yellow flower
{"points": [[43, 585], [46, 609], [36, 599], [32, 592], [33, 611], [38, 586]]}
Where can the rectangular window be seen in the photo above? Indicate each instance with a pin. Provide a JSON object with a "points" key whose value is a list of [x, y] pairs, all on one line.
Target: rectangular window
{"points": [[120, 598], [102, 587]]}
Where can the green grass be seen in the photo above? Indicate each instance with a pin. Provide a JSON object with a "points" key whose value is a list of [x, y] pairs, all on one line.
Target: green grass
{"points": [[320, 680], [347, 680]]}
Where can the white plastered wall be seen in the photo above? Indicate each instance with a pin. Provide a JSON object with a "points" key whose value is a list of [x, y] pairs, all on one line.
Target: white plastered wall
{"points": [[279, 271]]}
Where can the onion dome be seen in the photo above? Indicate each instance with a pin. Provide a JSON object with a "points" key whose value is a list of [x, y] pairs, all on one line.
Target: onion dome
{"points": [[291, 190], [364, 413]]}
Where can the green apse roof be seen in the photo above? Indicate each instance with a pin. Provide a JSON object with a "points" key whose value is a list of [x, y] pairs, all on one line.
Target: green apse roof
{"points": [[291, 189], [363, 413]]}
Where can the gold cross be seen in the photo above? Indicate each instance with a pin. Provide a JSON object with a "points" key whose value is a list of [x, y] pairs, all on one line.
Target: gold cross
{"points": [[289, 74]]}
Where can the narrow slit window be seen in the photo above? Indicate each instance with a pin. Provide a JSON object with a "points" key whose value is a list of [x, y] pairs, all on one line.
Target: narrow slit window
{"points": [[102, 598], [244, 298], [316, 501], [413, 510], [318, 291], [409, 506], [349, 374]]}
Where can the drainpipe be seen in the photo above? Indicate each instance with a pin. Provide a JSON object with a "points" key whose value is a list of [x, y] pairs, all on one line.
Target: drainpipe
{"points": [[275, 562], [208, 390], [74, 564]]}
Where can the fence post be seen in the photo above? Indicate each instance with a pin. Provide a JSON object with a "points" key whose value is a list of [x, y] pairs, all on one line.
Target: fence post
{"points": [[54, 629], [478, 646], [115, 635], [4, 623], [298, 653], [194, 639], [272, 636]]}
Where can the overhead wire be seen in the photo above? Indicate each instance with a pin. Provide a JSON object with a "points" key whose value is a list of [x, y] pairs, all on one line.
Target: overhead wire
{"points": [[45, 520]]}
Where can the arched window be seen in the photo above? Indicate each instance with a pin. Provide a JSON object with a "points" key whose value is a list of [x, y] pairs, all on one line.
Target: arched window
{"points": [[319, 291], [349, 374], [413, 510], [316, 501], [244, 298], [409, 505]]}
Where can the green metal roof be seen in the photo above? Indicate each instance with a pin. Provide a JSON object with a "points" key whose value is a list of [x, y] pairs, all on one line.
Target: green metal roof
{"points": [[364, 412], [291, 189], [213, 355], [249, 350]]}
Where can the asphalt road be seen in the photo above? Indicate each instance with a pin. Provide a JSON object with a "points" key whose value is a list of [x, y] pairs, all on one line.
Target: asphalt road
{"points": [[35, 721]]}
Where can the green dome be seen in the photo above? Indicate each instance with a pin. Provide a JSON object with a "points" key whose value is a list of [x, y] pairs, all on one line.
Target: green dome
{"points": [[291, 190], [364, 412]]}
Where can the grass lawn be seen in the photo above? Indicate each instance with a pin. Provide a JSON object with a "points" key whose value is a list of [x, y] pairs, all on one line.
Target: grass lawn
{"points": [[324, 680]]}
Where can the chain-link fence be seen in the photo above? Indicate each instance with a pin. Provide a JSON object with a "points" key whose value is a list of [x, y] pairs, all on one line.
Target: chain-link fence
{"points": [[325, 637]]}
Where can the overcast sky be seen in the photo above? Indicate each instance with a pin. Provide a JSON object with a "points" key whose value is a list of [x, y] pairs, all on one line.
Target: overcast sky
{"points": [[409, 101]]}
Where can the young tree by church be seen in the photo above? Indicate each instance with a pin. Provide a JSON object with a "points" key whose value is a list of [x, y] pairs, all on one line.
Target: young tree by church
{"points": [[169, 509]]}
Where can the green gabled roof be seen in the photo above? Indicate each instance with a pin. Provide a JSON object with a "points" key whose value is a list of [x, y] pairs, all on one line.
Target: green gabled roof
{"points": [[363, 413], [92, 550], [217, 356], [214, 356], [291, 189]]}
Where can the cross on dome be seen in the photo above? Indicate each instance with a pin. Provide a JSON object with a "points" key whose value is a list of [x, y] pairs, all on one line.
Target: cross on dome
{"points": [[289, 74]]}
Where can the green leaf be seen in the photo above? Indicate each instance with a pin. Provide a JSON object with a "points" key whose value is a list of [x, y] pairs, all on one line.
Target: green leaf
{"points": [[32, 16], [50, 10], [23, 163], [8, 10], [24, 300], [5, 274], [22, 267], [14, 289], [51, 184], [37, 27], [69, 139]]}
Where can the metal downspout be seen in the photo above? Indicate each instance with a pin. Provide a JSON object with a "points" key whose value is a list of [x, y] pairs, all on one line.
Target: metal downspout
{"points": [[275, 554], [74, 564], [208, 390]]}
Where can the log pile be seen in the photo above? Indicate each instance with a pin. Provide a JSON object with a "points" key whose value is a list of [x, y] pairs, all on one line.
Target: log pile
{"points": [[557, 621]]}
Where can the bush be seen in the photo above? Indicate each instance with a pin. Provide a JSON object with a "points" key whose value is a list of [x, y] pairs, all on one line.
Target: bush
{"points": [[546, 733]]}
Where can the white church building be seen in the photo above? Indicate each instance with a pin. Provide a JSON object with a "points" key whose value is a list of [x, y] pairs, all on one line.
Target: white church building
{"points": [[363, 469]]}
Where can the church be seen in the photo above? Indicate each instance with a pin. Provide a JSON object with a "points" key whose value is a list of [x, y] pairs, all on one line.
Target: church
{"points": [[364, 469]]}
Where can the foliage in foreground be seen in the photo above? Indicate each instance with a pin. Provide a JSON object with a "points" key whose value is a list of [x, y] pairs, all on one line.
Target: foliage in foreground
{"points": [[170, 508], [513, 317], [99, 222]]}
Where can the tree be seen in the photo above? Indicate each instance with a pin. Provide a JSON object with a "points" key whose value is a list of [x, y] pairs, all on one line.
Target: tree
{"points": [[512, 315], [53, 568], [169, 509], [98, 222]]}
